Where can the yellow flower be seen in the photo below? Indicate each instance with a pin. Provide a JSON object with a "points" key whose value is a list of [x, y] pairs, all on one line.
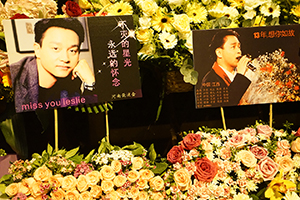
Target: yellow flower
{"points": [[120, 8], [296, 10], [278, 186], [259, 21], [237, 3], [162, 21], [196, 12]]}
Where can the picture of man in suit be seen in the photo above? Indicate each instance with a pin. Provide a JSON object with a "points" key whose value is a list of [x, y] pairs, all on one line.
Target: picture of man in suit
{"points": [[55, 71]]}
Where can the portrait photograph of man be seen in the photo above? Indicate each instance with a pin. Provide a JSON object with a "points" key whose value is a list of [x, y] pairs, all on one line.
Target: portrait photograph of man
{"points": [[231, 64]]}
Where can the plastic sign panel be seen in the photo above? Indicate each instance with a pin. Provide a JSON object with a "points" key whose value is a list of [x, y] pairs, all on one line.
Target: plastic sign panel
{"points": [[246, 66], [65, 62]]}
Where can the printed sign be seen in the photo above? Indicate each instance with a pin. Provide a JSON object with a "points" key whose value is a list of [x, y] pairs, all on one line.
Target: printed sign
{"points": [[246, 66], [70, 61]]}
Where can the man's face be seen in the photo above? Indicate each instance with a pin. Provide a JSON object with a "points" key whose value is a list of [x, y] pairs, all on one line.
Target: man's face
{"points": [[59, 52], [231, 51]]}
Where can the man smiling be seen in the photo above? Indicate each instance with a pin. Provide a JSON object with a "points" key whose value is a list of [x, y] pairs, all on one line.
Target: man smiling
{"points": [[52, 73], [229, 68]]}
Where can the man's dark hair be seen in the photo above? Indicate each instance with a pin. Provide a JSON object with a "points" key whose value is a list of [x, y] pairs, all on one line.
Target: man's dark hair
{"points": [[67, 23], [218, 41]]}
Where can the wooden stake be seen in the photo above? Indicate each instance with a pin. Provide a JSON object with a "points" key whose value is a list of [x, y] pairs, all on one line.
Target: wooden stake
{"points": [[271, 115], [223, 118], [106, 123], [56, 128]]}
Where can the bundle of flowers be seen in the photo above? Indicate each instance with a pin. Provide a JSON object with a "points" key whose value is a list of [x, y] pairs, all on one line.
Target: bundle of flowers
{"points": [[257, 162], [111, 173], [277, 80]]}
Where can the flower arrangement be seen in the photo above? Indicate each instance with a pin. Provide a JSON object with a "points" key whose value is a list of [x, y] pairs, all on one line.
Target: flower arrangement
{"points": [[257, 162], [277, 80], [111, 173]]}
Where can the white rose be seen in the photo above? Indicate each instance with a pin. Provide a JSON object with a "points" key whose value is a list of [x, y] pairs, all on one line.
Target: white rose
{"points": [[145, 22], [182, 23]]}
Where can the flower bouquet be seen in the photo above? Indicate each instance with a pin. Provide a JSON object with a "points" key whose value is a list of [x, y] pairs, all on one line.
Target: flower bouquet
{"points": [[257, 162], [277, 80], [111, 173]]}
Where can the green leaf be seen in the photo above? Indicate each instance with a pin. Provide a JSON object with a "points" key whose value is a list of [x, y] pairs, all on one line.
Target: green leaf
{"points": [[160, 168], [2, 189], [49, 149], [71, 153], [76, 158], [5, 178], [254, 197], [89, 156], [152, 153]]}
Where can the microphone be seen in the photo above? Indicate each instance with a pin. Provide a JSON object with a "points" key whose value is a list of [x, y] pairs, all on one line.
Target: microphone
{"points": [[249, 64]]}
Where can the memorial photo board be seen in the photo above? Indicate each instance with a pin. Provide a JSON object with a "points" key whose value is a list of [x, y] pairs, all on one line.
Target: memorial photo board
{"points": [[246, 66], [65, 62]]}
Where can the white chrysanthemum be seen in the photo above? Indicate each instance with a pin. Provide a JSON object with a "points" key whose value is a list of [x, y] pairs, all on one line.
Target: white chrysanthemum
{"points": [[31, 8], [251, 186], [269, 9], [231, 12], [217, 11], [252, 4], [216, 141], [145, 22], [168, 40], [241, 196], [291, 196], [250, 14]]}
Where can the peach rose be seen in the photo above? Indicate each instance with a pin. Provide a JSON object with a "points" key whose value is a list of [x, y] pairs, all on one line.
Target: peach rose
{"points": [[133, 192], [86, 195], [133, 175], [30, 198], [206, 146], [183, 179], [137, 163], [121, 192], [284, 144], [42, 173], [113, 196], [93, 177], [96, 191], [82, 183], [119, 180], [267, 168], [107, 186], [58, 194], [72, 194], [35, 188], [69, 183], [107, 173], [56, 180], [142, 184], [23, 188], [146, 174], [12, 189], [156, 183], [296, 145], [116, 165], [264, 130], [143, 195], [285, 163], [157, 196], [247, 158]]}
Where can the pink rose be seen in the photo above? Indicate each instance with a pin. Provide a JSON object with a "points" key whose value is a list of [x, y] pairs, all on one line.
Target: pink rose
{"points": [[191, 141], [264, 130], [175, 154], [259, 152], [237, 141], [267, 168], [283, 144], [206, 170], [247, 131]]}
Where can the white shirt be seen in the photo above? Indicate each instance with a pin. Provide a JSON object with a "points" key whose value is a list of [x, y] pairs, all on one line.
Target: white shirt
{"points": [[230, 75]]}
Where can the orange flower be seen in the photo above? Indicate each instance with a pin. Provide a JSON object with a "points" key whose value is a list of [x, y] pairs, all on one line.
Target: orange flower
{"points": [[288, 72], [296, 87]]}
